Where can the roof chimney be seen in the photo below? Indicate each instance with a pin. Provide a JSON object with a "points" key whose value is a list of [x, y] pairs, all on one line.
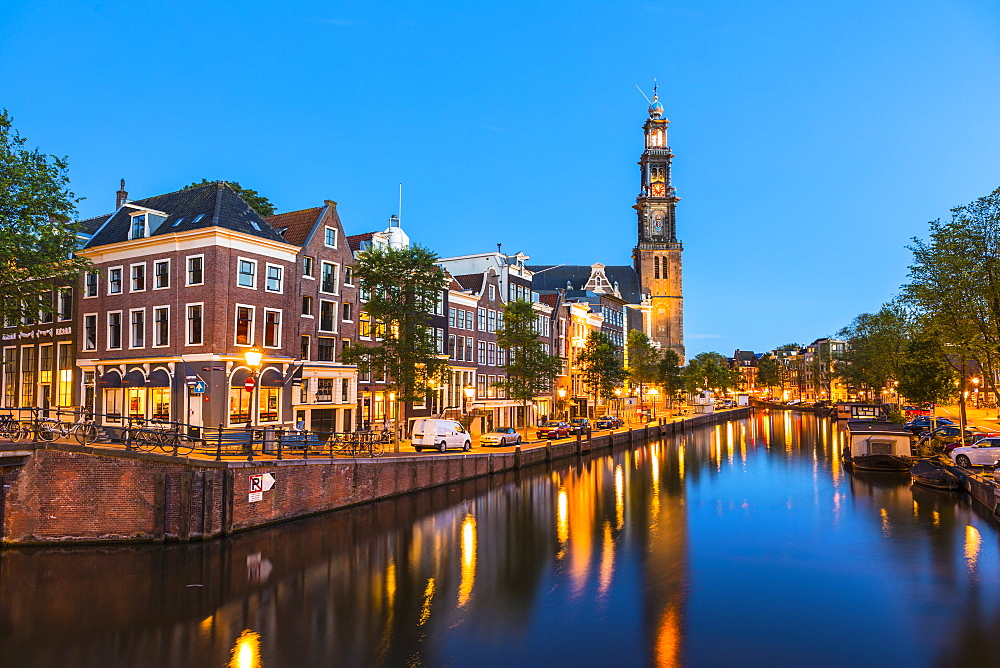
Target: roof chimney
{"points": [[121, 196]]}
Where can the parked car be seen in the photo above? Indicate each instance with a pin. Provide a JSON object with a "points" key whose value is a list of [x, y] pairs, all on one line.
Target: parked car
{"points": [[914, 411], [923, 423], [501, 436], [947, 434], [553, 429], [441, 434], [608, 422], [579, 425], [985, 452]]}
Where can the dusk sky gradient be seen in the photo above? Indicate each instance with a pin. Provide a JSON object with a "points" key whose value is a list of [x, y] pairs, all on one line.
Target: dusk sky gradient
{"points": [[812, 140]]}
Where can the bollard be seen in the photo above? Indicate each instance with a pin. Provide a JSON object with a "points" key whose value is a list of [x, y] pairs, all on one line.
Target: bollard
{"points": [[548, 451], [218, 445], [579, 443], [517, 456], [630, 434], [280, 440]]}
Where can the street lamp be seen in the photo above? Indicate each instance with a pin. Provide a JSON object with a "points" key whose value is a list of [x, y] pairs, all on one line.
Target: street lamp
{"points": [[469, 393], [253, 358], [562, 399], [653, 392]]}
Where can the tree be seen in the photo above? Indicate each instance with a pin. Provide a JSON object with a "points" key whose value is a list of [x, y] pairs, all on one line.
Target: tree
{"points": [[643, 359], [768, 372], [710, 371], [926, 377], [669, 375], [876, 347], [257, 202], [530, 370], [601, 366], [37, 237], [401, 285]]}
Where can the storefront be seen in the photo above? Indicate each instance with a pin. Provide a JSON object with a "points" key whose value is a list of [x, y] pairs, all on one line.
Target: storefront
{"points": [[134, 394]]}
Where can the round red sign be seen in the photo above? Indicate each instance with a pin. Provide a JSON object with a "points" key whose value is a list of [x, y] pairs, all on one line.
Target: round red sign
{"points": [[249, 385]]}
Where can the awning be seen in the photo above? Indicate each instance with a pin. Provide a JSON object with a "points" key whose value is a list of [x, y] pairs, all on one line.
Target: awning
{"points": [[239, 377], [271, 378], [134, 378], [110, 379], [159, 378]]}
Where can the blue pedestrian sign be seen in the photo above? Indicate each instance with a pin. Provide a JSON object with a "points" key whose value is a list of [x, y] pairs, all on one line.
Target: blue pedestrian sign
{"points": [[198, 387]]}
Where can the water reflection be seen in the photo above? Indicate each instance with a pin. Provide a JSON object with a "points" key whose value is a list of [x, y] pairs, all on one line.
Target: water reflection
{"points": [[739, 544]]}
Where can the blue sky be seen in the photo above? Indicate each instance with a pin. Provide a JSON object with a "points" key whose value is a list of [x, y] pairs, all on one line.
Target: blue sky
{"points": [[812, 140]]}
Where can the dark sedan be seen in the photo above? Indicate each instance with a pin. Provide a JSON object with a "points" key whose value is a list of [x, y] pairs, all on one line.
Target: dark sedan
{"points": [[923, 423]]}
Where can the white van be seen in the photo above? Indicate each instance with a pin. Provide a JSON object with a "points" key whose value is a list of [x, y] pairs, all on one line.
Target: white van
{"points": [[440, 434]]}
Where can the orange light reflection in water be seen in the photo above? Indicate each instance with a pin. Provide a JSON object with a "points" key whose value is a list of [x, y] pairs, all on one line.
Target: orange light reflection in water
{"points": [[973, 542], [468, 560], [668, 639], [246, 651]]}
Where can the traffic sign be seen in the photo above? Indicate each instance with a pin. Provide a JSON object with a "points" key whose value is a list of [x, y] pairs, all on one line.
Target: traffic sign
{"points": [[197, 387], [249, 384]]}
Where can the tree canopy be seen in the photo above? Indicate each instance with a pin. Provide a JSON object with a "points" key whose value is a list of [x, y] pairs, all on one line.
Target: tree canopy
{"points": [[257, 202], [768, 371], [530, 370], [876, 347], [37, 237], [710, 371], [643, 358], [600, 366]]}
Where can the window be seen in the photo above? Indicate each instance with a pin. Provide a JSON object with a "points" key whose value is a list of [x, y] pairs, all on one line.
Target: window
{"points": [[308, 270], [272, 328], [481, 383], [460, 323], [493, 293], [327, 316], [138, 277], [499, 319], [274, 273], [161, 326], [656, 266], [244, 325], [44, 315], [468, 348], [307, 305], [28, 384], [491, 354], [90, 331], [65, 305], [482, 352], [194, 269], [324, 390], [348, 275], [492, 320], [364, 325], [114, 330], [330, 237], [348, 312], [500, 355], [115, 281], [452, 353], [194, 324], [440, 341], [451, 317], [138, 328], [304, 347], [327, 348], [482, 320], [345, 391], [247, 276], [91, 284], [330, 276], [161, 274], [138, 226]]}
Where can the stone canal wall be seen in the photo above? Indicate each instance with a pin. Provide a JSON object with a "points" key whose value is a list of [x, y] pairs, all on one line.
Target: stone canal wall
{"points": [[67, 493]]}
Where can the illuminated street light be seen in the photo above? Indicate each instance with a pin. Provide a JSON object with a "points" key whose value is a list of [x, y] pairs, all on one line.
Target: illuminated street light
{"points": [[469, 393], [253, 358]]}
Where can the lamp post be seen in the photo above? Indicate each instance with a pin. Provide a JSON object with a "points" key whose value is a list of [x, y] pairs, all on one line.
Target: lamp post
{"points": [[469, 392], [618, 401], [253, 357], [562, 399], [653, 393]]}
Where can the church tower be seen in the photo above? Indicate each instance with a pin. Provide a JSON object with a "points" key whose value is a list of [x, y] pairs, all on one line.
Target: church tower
{"points": [[657, 254]]}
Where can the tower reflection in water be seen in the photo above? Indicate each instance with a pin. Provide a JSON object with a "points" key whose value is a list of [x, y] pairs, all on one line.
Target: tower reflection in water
{"points": [[592, 561]]}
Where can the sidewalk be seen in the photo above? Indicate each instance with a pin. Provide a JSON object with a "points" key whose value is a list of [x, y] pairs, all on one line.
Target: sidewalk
{"points": [[985, 418]]}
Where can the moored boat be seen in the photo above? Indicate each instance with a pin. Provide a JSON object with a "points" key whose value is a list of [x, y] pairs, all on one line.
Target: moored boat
{"points": [[932, 474], [877, 446]]}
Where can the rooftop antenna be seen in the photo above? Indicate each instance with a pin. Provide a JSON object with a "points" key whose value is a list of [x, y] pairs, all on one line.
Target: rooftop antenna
{"points": [[498, 248], [644, 95], [400, 203]]}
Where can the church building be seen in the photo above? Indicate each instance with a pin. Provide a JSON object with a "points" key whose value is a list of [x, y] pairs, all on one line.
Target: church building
{"points": [[652, 285]]}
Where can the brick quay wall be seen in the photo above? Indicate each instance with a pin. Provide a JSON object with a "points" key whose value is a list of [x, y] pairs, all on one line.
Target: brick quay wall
{"points": [[60, 493]]}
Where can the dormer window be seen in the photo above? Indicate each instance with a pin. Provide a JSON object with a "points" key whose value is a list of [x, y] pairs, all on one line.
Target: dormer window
{"points": [[139, 229]]}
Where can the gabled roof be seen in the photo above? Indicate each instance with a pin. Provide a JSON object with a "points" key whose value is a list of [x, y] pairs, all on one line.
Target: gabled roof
{"points": [[209, 205], [355, 240], [90, 225], [296, 224], [551, 278], [472, 282]]}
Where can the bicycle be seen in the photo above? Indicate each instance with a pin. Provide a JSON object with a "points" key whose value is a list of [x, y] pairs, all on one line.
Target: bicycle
{"points": [[84, 430], [11, 429], [141, 436], [173, 442]]}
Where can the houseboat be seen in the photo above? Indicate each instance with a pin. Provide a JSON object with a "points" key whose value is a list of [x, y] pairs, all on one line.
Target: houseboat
{"points": [[877, 446], [849, 410]]}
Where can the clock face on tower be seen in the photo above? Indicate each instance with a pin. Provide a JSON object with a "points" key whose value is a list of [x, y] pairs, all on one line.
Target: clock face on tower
{"points": [[658, 190]]}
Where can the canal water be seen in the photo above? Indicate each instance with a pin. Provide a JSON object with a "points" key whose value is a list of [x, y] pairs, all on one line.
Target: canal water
{"points": [[741, 544]]}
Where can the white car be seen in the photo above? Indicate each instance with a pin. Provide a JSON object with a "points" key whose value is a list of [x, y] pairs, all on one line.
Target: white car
{"points": [[981, 453], [501, 436], [439, 434]]}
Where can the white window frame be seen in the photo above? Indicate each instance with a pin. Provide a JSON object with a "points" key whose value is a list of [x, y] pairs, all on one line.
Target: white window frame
{"points": [[347, 305], [239, 261], [131, 332], [312, 259], [131, 277], [264, 330], [187, 319], [154, 344], [121, 280], [187, 275], [281, 278], [236, 320], [107, 330], [145, 224], [336, 316], [312, 307], [84, 332], [349, 275], [60, 292], [336, 273], [97, 284], [165, 261], [493, 293], [326, 230]]}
